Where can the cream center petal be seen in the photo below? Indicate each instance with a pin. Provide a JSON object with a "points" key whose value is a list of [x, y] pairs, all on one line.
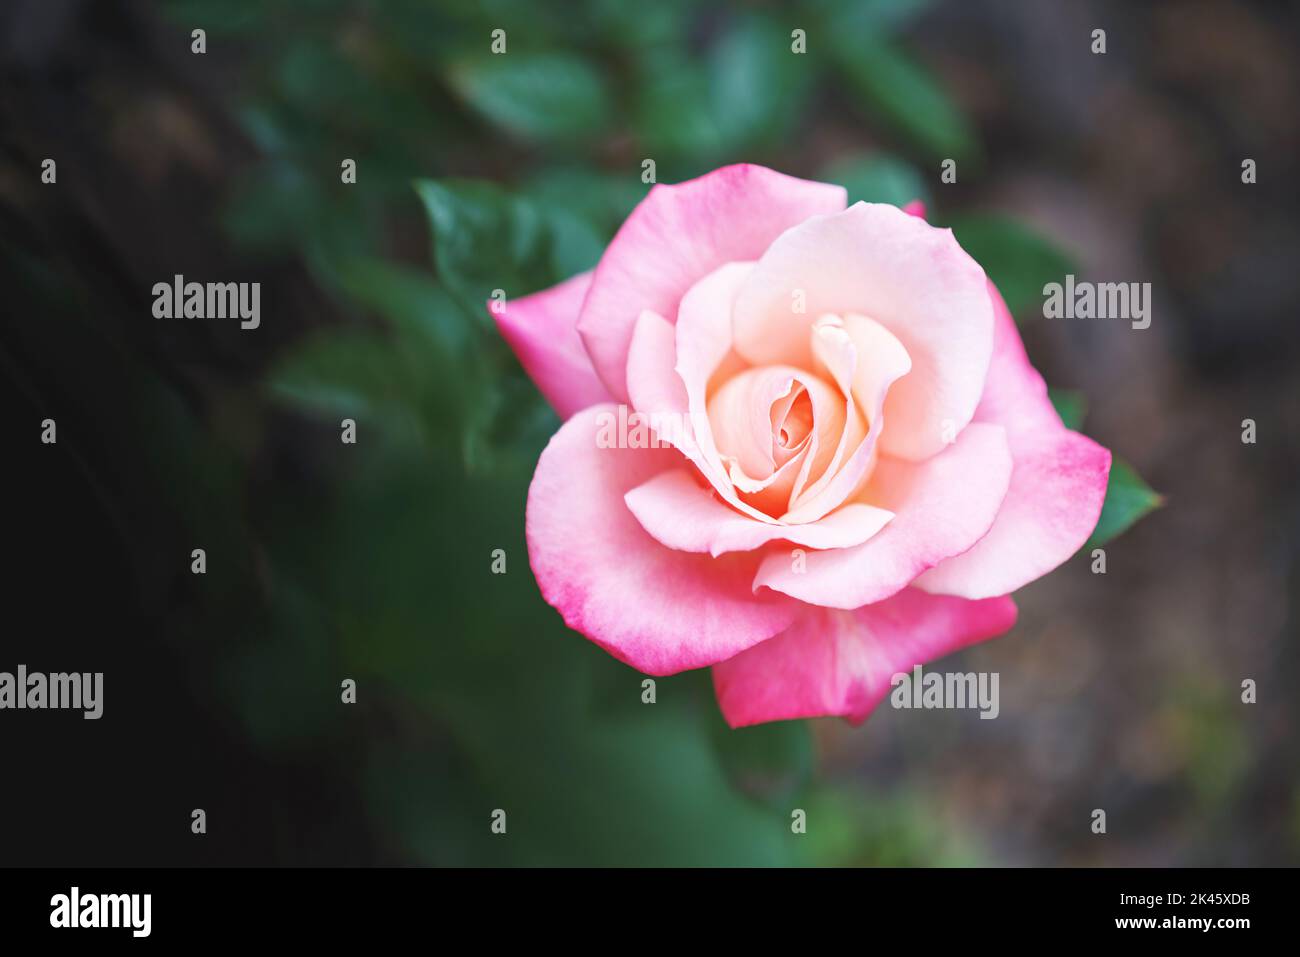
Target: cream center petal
{"points": [[771, 495], [792, 424], [880, 360], [771, 425], [835, 355]]}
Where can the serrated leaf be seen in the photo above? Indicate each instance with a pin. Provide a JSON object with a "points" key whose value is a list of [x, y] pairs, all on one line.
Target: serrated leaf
{"points": [[1018, 259], [1128, 498]]}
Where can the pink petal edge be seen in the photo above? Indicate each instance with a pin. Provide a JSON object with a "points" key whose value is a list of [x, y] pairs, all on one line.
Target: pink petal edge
{"points": [[1058, 481], [542, 331], [659, 610], [677, 235], [841, 662]]}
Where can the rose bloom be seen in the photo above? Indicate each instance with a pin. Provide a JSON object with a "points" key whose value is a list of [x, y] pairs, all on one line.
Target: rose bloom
{"points": [[853, 464]]}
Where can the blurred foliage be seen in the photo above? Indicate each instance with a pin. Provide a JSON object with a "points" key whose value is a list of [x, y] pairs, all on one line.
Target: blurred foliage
{"points": [[521, 166], [859, 828], [541, 96], [1018, 260], [897, 87], [877, 178]]}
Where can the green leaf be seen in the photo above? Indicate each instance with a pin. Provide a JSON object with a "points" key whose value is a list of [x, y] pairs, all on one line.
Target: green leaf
{"points": [[893, 85], [1019, 260], [350, 374], [770, 761], [419, 379], [602, 199], [1128, 498], [537, 96], [336, 371], [877, 178], [432, 341], [486, 239], [747, 92], [755, 83], [674, 111], [415, 304], [1071, 405], [576, 244]]}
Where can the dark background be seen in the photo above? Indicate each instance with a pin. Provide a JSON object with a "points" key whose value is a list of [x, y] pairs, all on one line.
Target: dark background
{"points": [[326, 561]]}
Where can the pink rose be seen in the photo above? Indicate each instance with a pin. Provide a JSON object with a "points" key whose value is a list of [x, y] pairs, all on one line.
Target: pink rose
{"points": [[857, 462]]}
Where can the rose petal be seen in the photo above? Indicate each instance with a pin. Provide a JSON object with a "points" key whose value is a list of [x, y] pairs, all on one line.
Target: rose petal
{"points": [[915, 280], [542, 331], [656, 390], [682, 514], [1058, 482], [704, 327], [704, 348], [660, 610], [842, 662], [740, 417], [679, 234], [836, 356], [941, 507], [659, 395], [883, 362]]}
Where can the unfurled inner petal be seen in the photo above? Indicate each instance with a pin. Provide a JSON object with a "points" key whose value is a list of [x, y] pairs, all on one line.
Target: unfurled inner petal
{"points": [[879, 360], [748, 416], [792, 423]]}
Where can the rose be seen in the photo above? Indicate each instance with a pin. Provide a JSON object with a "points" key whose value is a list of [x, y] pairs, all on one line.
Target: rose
{"points": [[856, 462]]}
